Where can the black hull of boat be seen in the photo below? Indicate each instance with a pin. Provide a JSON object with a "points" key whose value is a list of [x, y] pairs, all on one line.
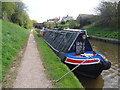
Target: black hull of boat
{"points": [[90, 71]]}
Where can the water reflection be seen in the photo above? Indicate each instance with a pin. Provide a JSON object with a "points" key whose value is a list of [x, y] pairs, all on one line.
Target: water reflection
{"points": [[91, 83], [108, 77]]}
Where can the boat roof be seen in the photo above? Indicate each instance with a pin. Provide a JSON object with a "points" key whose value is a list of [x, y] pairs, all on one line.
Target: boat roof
{"points": [[61, 41], [75, 30], [70, 31]]}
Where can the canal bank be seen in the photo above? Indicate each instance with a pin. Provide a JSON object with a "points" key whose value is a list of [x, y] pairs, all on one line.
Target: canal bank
{"points": [[105, 39]]}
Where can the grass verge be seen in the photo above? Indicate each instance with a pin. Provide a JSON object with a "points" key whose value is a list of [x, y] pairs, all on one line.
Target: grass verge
{"points": [[14, 38], [107, 33], [9, 78], [54, 67]]}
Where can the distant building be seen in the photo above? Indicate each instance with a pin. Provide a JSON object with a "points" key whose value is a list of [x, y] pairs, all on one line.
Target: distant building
{"points": [[54, 20], [67, 18], [60, 20]]}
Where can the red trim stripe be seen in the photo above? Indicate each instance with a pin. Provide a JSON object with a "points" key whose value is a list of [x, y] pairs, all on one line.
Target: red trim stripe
{"points": [[80, 61]]}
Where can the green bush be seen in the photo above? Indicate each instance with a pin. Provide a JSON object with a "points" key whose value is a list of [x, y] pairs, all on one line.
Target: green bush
{"points": [[63, 25]]}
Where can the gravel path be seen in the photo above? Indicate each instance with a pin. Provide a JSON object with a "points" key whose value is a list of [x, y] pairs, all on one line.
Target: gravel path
{"points": [[31, 72]]}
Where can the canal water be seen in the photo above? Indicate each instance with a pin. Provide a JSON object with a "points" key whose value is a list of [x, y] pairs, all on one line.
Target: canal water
{"points": [[108, 78]]}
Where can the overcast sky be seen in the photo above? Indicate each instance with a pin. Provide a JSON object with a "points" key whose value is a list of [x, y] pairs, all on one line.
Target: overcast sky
{"points": [[41, 10]]}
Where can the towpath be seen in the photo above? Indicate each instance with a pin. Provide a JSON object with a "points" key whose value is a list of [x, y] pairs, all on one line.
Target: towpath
{"points": [[31, 72]]}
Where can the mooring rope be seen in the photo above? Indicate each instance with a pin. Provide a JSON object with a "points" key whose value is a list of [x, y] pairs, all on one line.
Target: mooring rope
{"points": [[68, 72]]}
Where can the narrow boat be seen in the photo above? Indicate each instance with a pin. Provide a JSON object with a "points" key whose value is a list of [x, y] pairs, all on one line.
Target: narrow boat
{"points": [[74, 49], [41, 31], [91, 63]]}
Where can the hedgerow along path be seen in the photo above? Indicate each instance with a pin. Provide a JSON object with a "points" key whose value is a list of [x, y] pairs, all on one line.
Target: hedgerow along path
{"points": [[31, 72]]}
